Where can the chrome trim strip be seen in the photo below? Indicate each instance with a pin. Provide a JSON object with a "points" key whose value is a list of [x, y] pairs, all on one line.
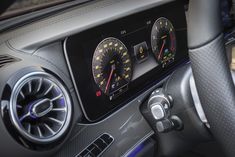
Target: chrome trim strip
{"points": [[159, 96], [34, 111], [197, 102]]}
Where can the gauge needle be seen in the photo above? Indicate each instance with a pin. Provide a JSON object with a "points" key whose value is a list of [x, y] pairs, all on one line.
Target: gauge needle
{"points": [[109, 79], [160, 53]]}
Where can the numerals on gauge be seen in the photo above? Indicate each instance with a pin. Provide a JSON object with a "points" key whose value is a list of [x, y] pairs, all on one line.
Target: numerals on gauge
{"points": [[112, 67], [163, 41]]}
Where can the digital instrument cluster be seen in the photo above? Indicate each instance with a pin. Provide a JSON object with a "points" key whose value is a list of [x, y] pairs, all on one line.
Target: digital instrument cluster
{"points": [[114, 62]]}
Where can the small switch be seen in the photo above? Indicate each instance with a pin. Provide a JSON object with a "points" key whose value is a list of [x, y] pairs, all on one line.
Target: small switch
{"points": [[101, 144], [91, 147], [97, 147], [95, 150], [108, 139], [89, 155], [84, 153], [158, 111], [164, 126]]}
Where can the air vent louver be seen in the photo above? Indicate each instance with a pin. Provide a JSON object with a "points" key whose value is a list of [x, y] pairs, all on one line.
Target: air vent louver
{"points": [[40, 108], [6, 59]]}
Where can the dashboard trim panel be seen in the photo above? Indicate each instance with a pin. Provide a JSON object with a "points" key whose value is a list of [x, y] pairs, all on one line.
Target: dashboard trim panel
{"points": [[119, 124], [31, 37]]}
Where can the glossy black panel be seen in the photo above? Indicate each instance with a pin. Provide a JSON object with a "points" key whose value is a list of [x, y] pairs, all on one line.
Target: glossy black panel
{"points": [[131, 30]]}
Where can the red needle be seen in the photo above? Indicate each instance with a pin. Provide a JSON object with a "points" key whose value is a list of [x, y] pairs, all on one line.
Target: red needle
{"points": [[109, 79], [160, 53]]}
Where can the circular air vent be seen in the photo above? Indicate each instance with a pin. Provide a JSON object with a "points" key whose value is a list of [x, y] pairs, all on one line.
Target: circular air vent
{"points": [[40, 107]]}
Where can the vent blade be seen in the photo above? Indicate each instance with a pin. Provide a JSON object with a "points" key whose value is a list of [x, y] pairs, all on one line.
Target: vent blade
{"points": [[40, 108], [7, 59]]}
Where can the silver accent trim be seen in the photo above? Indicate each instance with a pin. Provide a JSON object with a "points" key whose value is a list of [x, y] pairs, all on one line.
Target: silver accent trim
{"points": [[50, 129], [59, 109], [56, 98], [197, 101], [39, 131], [26, 131], [158, 96], [49, 89], [22, 94], [29, 128], [157, 111], [40, 84], [30, 86], [43, 113], [56, 120]]}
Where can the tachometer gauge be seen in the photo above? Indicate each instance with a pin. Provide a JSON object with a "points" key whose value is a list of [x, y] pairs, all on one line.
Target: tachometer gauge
{"points": [[163, 41], [112, 67]]}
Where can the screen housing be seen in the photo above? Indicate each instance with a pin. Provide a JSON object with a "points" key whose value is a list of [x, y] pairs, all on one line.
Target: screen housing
{"points": [[131, 30]]}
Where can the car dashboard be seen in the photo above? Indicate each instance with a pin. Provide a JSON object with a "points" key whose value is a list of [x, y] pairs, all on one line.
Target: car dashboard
{"points": [[74, 81], [142, 49]]}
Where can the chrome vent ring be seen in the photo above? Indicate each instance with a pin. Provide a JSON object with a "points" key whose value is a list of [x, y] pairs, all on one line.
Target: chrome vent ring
{"points": [[40, 107]]}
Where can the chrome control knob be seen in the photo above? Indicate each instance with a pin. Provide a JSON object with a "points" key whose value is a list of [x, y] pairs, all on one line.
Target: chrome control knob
{"points": [[157, 111], [159, 104]]}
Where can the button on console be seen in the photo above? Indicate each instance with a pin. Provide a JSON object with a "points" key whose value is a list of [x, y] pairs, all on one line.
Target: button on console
{"points": [[107, 139], [158, 111], [97, 147], [101, 144]]}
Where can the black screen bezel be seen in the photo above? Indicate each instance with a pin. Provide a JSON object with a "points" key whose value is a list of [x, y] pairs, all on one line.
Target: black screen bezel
{"points": [[80, 49]]}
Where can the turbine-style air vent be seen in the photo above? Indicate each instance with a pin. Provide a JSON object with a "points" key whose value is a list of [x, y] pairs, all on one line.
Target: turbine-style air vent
{"points": [[40, 108], [6, 59]]}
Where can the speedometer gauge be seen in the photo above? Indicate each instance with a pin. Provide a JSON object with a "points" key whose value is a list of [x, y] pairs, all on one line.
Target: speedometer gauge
{"points": [[163, 41], [112, 67]]}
